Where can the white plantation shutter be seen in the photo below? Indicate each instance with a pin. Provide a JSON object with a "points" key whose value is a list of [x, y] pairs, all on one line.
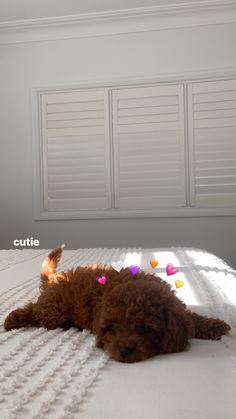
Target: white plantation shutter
{"points": [[148, 129], [76, 150], [212, 136]]}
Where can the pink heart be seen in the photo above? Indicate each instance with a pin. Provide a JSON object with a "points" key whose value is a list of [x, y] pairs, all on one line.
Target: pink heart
{"points": [[170, 269], [134, 269], [102, 280]]}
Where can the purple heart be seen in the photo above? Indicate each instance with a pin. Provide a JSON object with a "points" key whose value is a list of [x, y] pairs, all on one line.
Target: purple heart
{"points": [[134, 269]]}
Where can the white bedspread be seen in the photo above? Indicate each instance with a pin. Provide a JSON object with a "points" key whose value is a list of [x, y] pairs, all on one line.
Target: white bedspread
{"points": [[61, 374]]}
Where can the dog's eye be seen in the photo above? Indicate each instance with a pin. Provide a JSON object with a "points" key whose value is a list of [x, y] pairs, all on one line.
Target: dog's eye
{"points": [[144, 329], [109, 328]]}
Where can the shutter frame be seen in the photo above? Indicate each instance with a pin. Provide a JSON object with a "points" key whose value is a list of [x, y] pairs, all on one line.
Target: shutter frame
{"points": [[158, 95], [55, 140], [212, 116]]}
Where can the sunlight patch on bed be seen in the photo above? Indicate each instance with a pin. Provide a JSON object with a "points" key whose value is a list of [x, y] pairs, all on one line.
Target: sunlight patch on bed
{"points": [[132, 258], [186, 293], [207, 260]]}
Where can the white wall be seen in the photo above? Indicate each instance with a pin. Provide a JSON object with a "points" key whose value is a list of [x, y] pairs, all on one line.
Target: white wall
{"points": [[65, 62]]}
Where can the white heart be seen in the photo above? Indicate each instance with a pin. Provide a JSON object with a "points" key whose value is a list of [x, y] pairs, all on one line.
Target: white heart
{"points": [[117, 265]]}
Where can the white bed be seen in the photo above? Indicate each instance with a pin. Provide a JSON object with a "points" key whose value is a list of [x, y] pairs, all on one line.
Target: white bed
{"points": [[60, 374]]}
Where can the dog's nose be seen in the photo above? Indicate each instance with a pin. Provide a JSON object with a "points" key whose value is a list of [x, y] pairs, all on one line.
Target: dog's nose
{"points": [[125, 351]]}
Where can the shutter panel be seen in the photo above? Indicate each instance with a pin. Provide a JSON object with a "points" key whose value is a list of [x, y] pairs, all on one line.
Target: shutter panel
{"points": [[212, 132], [76, 155], [148, 125]]}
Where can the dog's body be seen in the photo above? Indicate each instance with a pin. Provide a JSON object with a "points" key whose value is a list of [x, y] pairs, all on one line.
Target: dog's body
{"points": [[132, 317]]}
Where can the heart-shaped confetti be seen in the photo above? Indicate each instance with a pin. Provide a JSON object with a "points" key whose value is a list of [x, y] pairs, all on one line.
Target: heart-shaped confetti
{"points": [[102, 280], [178, 283], [134, 269], [170, 269], [117, 266], [153, 263]]}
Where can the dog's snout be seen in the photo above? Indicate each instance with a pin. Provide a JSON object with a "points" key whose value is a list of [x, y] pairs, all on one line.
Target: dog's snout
{"points": [[125, 351]]}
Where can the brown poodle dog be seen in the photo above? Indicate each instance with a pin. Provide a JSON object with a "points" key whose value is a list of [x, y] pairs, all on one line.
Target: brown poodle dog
{"points": [[132, 317]]}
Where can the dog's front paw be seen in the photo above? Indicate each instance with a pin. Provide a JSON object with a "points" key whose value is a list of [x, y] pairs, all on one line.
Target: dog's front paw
{"points": [[15, 319], [218, 329]]}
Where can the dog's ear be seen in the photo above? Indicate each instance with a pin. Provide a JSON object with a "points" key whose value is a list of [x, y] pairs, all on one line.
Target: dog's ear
{"points": [[178, 326]]}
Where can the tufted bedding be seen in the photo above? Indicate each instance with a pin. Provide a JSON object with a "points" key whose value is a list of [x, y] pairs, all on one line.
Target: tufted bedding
{"points": [[61, 374]]}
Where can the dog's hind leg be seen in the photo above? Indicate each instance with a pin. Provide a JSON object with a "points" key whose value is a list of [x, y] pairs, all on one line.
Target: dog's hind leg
{"points": [[21, 317], [207, 327], [53, 309]]}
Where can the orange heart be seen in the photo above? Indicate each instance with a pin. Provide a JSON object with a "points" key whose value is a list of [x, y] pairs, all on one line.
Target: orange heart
{"points": [[153, 263], [179, 284]]}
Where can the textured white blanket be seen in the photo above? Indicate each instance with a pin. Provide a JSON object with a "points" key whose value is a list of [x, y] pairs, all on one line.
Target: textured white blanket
{"points": [[61, 374]]}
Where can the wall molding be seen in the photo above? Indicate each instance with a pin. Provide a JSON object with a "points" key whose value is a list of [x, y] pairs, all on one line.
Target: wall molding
{"points": [[175, 16], [172, 78]]}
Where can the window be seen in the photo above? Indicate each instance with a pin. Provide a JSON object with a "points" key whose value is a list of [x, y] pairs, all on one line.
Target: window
{"points": [[145, 150]]}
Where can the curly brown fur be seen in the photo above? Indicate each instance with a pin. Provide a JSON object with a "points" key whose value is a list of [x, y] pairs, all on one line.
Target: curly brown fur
{"points": [[132, 317]]}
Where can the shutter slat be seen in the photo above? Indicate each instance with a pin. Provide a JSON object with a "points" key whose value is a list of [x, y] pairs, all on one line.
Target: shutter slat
{"points": [[76, 170], [149, 147], [70, 178], [209, 189], [219, 113], [132, 167], [53, 162], [148, 159], [142, 202], [214, 86], [145, 128], [128, 150], [215, 96], [214, 164], [160, 137], [216, 172], [213, 123], [216, 180], [148, 92], [65, 116], [75, 193], [82, 96], [76, 123], [163, 102], [63, 132], [70, 204], [78, 154], [213, 143], [148, 119], [154, 175], [86, 140], [84, 146], [76, 186], [160, 191], [155, 110], [210, 155], [229, 104], [75, 107]]}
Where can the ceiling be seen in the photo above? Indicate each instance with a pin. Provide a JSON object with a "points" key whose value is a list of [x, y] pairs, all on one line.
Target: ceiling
{"points": [[11, 10]]}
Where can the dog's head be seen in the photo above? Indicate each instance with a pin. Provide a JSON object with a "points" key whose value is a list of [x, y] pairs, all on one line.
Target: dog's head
{"points": [[136, 321]]}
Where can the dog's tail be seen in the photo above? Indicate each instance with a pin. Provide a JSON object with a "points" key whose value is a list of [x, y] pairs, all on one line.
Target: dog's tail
{"points": [[49, 266]]}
